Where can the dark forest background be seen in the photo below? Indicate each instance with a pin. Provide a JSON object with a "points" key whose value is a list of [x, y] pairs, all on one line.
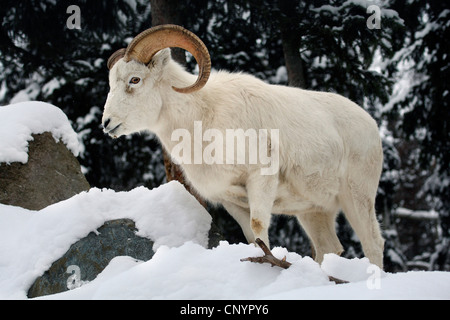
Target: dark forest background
{"points": [[397, 70]]}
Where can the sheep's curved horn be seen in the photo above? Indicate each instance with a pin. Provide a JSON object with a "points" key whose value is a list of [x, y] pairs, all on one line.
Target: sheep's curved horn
{"points": [[146, 44], [115, 57]]}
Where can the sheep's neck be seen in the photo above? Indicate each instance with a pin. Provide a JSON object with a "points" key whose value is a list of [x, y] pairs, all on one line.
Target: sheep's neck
{"points": [[181, 111]]}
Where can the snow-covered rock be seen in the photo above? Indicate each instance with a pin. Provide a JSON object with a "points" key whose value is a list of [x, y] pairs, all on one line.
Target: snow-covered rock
{"points": [[20, 121], [30, 241], [92, 254], [37, 156]]}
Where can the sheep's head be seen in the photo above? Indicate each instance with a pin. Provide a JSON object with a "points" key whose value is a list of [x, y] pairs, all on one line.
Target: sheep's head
{"points": [[134, 101]]}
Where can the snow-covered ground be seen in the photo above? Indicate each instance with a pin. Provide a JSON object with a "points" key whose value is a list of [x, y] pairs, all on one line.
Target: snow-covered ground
{"points": [[182, 267]]}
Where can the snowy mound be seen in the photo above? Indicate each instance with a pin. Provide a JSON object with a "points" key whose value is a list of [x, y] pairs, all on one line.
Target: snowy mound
{"points": [[19, 121], [31, 240], [182, 267]]}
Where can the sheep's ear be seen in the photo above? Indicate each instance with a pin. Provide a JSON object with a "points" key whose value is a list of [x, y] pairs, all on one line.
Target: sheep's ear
{"points": [[160, 59]]}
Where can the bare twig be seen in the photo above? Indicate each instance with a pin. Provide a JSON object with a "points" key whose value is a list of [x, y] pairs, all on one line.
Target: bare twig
{"points": [[270, 258], [336, 280]]}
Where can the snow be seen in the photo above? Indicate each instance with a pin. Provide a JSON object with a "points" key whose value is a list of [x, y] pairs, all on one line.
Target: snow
{"points": [[30, 241], [280, 76], [381, 4], [182, 267], [417, 214], [19, 121]]}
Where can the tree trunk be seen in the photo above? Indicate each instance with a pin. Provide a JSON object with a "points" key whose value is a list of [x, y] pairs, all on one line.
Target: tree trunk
{"points": [[290, 39], [291, 43], [167, 12]]}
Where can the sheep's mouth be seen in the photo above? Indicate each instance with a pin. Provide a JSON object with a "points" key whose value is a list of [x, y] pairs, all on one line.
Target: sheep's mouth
{"points": [[113, 131]]}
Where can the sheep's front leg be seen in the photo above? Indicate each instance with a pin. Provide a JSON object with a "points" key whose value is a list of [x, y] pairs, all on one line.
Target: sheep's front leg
{"points": [[242, 217], [261, 192]]}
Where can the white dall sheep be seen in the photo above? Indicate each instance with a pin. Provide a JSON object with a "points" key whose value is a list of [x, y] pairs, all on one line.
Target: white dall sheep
{"points": [[330, 154]]}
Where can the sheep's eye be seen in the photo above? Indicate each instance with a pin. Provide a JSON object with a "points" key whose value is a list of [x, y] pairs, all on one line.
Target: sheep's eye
{"points": [[135, 80]]}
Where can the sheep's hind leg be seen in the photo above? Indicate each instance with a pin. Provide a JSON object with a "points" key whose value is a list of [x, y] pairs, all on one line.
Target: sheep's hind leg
{"points": [[320, 228], [359, 210]]}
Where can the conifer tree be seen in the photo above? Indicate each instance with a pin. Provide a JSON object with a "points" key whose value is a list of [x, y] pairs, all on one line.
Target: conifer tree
{"points": [[337, 46]]}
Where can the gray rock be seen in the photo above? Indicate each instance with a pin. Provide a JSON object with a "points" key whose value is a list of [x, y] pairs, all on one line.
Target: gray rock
{"points": [[86, 258], [52, 174], [90, 255]]}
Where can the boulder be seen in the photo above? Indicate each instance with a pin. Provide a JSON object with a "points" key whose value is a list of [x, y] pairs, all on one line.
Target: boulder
{"points": [[52, 174], [86, 258]]}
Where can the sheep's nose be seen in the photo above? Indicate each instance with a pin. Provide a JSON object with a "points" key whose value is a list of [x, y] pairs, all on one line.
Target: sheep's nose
{"points": [[106, 123]]}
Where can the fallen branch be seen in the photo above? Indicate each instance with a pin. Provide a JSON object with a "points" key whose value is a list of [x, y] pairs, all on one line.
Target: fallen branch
{"points": [[270, 258]]}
